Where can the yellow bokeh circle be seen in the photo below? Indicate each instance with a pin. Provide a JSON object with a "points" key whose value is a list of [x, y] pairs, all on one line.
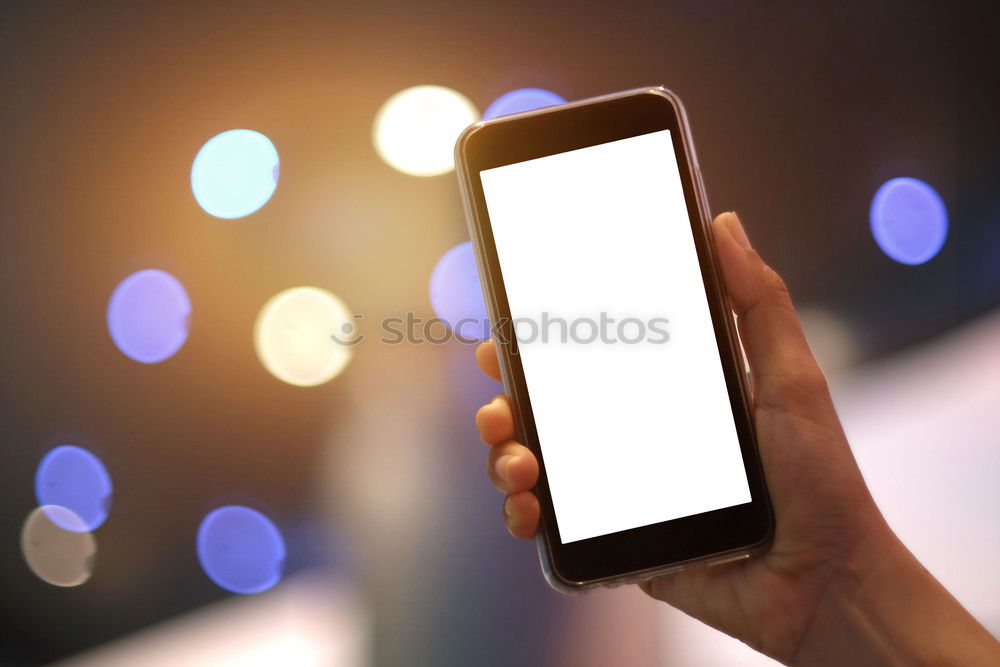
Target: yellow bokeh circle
{"points": [[304, 336], [415, 129], [57, 547]]}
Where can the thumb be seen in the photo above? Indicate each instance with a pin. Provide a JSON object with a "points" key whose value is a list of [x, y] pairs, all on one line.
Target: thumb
{"points": [[776, 347]]}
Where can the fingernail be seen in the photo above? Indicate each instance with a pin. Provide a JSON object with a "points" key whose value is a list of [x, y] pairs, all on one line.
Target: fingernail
{"points": [[735, 228], [507, 511], [503, 463]]}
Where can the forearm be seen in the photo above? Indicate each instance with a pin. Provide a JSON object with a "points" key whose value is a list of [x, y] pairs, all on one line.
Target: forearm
{"points": [[887, 609]]}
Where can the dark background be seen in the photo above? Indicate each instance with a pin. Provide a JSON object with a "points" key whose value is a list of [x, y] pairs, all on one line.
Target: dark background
{"points": [[799, 110]]}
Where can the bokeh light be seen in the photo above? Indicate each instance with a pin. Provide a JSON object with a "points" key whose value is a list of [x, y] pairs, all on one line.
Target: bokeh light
{"points": [[240, 549], [304, 336], [909, 220], [456, 295], [57, 547], [235, 173], [522, 99], [149, 316], [73, 478], [415, 130]]}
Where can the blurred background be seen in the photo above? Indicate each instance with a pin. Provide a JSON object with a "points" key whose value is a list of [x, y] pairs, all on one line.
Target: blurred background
{"points": [[193, 473]]}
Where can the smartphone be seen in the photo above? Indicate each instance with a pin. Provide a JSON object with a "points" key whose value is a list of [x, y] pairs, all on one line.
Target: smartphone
{"points": [[617, 345]]}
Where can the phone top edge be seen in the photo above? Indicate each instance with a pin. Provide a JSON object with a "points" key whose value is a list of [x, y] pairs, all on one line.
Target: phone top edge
{"points": [[660, 91]]}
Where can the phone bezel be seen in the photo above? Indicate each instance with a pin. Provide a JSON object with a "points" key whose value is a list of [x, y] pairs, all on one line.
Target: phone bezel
{"points": [[653, 548]]}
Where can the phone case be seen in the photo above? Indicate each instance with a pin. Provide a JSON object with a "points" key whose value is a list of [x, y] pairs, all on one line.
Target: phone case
{"points": [[544, 556]]}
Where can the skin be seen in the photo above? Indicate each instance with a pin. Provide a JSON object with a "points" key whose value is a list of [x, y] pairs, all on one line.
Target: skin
{"points": [[836, 586]]}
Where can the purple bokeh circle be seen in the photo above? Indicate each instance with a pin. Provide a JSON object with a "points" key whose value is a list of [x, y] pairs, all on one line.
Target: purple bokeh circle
{"points": [[149, 316], [456, 295]]}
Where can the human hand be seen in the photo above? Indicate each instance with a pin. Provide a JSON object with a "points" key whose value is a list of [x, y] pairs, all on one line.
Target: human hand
{"points": [[803, 599]]}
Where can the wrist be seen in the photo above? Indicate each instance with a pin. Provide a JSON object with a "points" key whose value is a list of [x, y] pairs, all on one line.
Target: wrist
{"points": [[882, 607], [827, 635]]}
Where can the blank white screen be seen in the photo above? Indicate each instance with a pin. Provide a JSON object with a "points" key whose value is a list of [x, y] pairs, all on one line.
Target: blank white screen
{"points": [[631, 434]]}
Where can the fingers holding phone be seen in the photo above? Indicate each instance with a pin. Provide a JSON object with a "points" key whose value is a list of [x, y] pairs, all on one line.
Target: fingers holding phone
{"points": [[511, 466]]}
